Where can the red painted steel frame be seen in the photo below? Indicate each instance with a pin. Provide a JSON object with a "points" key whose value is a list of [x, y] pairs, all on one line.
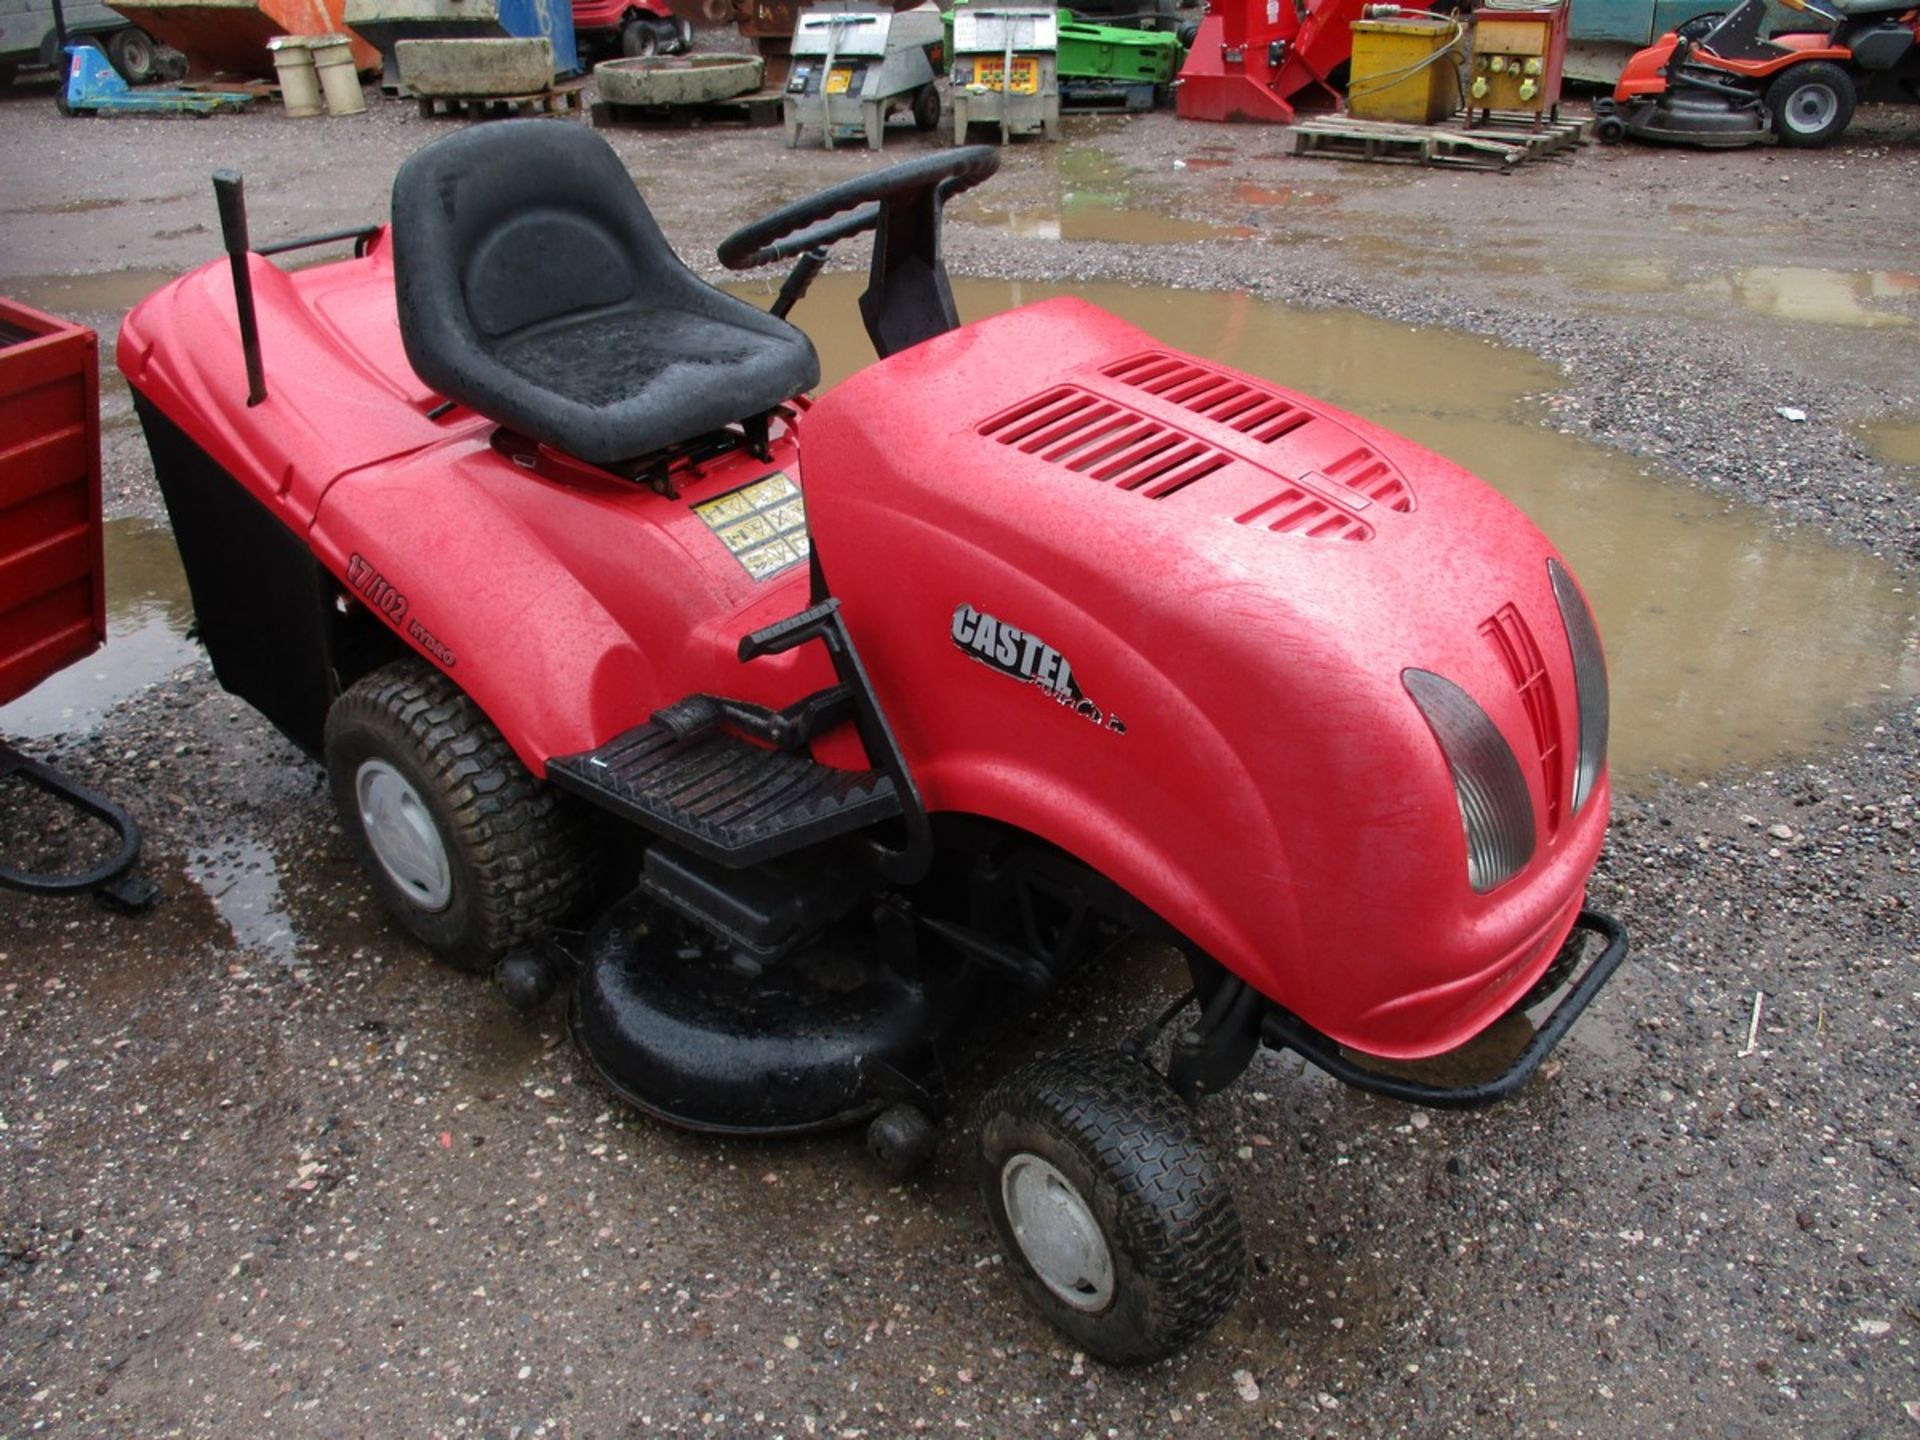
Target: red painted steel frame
{"points": [[1237, 749], [53, 607]]}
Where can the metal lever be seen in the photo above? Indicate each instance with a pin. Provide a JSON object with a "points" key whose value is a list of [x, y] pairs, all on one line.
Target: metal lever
{"points": [[798, 281], [230, 193]]}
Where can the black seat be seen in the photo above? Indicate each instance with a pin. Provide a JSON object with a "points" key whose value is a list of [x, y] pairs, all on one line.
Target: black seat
{"points": [[535, 289]]}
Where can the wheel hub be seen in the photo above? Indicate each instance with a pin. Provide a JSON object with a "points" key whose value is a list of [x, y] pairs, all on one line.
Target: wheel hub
{"points": [[1057, 1232], [1812, 108], [402, 835]]}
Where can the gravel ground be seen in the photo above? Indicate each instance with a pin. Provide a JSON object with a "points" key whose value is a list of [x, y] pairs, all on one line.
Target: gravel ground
{"points": [[267, 1167]]}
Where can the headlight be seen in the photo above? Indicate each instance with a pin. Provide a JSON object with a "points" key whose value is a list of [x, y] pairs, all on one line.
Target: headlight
{"points": [[1589, 681], [1495, 809]]}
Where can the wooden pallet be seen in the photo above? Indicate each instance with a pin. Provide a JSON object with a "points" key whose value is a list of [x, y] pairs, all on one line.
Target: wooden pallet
{"points": [[1491, 140], [557, 101], [760, 108], [1543, 135]]}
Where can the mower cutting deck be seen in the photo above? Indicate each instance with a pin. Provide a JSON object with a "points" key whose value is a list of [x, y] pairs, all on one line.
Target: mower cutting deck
{"points": [[789, 734]]}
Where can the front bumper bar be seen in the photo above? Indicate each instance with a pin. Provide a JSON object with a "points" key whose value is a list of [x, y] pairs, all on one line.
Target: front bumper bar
{"points": [[1282, 1030]]}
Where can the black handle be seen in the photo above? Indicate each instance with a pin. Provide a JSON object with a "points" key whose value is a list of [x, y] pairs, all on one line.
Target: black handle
{"points": [[784, 635], [230, 193]]}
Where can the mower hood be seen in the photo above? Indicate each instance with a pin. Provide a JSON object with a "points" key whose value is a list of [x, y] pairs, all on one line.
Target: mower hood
{"points": [[1224, 586]]}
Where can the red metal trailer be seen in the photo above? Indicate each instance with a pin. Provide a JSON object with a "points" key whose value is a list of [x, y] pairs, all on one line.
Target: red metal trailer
{"points": [[53, 608], [53, 604]]}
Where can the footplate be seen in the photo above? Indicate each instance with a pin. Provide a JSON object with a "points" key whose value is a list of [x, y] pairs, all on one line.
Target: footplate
{"points": [[722, 798]]}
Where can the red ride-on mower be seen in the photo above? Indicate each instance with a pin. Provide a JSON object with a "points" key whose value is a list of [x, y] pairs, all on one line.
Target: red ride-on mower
{"points": [[1729, 87], [623, 27], [829, 717]]}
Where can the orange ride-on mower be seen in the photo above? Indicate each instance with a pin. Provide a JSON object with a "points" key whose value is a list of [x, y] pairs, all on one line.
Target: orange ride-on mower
{"points": [[1729, 87], [832, 722]]}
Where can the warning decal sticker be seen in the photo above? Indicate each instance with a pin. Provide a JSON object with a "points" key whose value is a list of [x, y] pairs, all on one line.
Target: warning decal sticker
{"points": [[763, 525]]}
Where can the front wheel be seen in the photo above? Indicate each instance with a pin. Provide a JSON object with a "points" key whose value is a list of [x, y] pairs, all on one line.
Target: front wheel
{"points": [[1112, 1213], [470, 852], [1811, 104]]}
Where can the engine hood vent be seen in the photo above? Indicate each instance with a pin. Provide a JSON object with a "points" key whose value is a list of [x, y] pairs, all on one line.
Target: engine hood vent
{"points": [[1264, 414], [1251, 409], [1298, 511], [1106, 441], [1324, 481]]}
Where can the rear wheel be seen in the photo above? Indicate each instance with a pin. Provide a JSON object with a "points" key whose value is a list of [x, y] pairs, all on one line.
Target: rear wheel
{"points": [[639, 39], [1811, 104], [465, 847], [926, 107], [1113, 1215], [133, 55]]}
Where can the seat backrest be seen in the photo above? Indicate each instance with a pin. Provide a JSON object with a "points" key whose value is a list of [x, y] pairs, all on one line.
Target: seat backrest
{"points": [[505, 225], [534, 287]]}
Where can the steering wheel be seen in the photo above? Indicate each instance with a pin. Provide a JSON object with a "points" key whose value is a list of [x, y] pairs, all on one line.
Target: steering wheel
{"points": [[821, 219]]}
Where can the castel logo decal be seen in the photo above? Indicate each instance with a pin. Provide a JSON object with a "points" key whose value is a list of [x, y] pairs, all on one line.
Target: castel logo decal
{"points": [[1022, 656]]}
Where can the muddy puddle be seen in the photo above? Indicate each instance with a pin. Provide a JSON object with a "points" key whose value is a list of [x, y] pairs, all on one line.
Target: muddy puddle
{"points": [[1897, 442], [1783, 292], [84, 206], [243, 882], [111, 292], [1727, 643], [148, 613], [1094, 201], [1289, 195]]}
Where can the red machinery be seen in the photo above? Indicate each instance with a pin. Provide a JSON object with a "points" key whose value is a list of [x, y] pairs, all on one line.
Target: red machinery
{"points": [[1265, 60], [1732, 87], [53, 609], [837, 719], [1519, 52], [629, 27]]}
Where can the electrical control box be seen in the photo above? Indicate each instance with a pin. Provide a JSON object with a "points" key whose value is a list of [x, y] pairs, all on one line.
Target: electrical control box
{"points": [[1517, 59], [854, 66], [1006, 74]]}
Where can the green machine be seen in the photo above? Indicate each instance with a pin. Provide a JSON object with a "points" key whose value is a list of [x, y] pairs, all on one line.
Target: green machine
{"points": [[1108, 67]]}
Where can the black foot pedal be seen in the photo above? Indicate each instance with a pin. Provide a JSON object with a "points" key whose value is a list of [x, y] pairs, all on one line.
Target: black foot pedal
{"points": [[723, 798]]}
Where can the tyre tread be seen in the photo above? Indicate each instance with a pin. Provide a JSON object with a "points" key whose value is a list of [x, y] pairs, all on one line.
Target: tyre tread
{"points": [[523, 837], [1846, 95], [1124, 1117]]}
